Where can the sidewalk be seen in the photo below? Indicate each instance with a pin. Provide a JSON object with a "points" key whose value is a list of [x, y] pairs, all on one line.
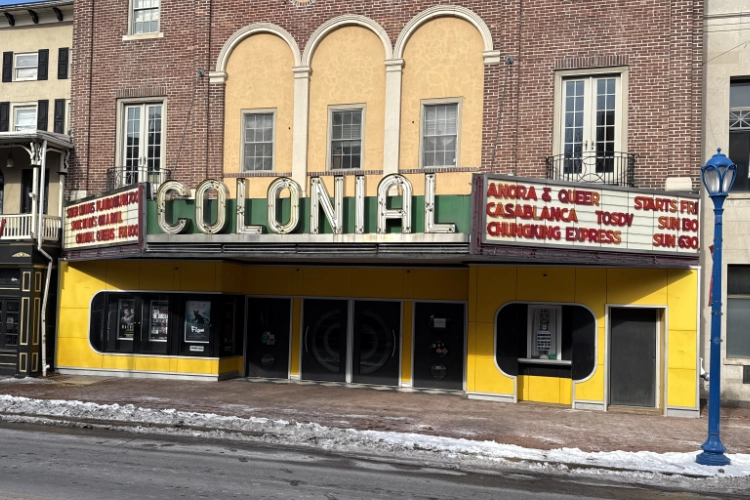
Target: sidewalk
{"points": [[527, 425]]}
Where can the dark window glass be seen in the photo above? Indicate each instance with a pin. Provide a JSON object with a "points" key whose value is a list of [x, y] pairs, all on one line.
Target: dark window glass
{"points": [[9, 278], [738, 280]]}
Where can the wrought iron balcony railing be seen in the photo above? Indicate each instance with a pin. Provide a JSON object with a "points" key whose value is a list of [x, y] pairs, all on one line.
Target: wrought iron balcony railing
{"points": [[118, 177], [614, 169]]}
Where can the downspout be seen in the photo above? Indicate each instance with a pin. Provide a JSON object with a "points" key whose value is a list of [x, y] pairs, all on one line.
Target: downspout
{"points": [[39, 235]]}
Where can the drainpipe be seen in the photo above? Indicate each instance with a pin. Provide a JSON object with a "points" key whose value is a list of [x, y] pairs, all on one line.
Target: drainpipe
{"points": [[39, 235]]}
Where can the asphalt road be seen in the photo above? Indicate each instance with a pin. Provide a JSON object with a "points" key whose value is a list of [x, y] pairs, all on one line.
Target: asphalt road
{"points": [[42, 463]]}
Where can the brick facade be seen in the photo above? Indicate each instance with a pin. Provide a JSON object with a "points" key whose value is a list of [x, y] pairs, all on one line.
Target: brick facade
{"points": [[661, 40]]}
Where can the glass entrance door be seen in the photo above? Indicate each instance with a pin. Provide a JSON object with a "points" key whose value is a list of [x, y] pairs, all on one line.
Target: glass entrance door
{"points": [[9, 324], [324, 340], [376, 342]]}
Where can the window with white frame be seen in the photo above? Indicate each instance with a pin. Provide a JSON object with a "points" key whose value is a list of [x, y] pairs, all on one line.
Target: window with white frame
{"points": [[440, 134], [144, 16], [738, 311], [24, 117], [346, 133], [258, 141], [26, 66], [141, 142], [739, 132], [591, 128]]}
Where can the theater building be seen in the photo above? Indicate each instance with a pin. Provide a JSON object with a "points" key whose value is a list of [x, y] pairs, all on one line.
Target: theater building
{"points": [[424, 199]]}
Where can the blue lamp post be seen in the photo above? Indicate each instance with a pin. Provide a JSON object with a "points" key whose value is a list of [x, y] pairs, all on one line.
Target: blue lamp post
{"points": [[718, 176]]}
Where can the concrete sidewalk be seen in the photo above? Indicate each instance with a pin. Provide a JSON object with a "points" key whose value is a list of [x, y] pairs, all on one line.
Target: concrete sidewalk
{"points": [[365, 408]]}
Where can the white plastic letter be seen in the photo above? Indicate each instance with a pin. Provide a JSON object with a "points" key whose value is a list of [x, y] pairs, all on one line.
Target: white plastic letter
{"points": [[273, 194], [319, 199], [221, 198], [359, 204], [161, 207], [385, 213], [241, 227], [429, 209]]}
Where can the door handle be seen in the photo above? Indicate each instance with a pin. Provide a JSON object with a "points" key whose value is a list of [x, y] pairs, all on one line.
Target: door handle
{"points": [[306, 330], [393, 353]]}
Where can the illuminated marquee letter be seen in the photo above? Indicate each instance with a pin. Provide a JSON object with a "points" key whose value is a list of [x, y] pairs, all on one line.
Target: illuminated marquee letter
{"points": [[221, 198], [334, 212], [359, 204], [241, 227], [273, 194], [385, 213], [161, 207], [429, 209]]}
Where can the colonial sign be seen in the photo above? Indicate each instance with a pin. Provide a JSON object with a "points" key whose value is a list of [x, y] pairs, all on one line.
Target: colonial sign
{"points": [[114, 219], [532, 212]]}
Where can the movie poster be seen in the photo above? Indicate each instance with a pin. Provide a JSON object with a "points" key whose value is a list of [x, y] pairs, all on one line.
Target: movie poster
{"points": [[197, 321], [159, 321], [126, 321]]}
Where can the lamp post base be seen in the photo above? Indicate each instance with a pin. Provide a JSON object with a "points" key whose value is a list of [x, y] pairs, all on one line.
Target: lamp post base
{"points": [[712, 458]]}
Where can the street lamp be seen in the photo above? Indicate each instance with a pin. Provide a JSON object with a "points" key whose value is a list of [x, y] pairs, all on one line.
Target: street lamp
{"points": [[718, 176]]}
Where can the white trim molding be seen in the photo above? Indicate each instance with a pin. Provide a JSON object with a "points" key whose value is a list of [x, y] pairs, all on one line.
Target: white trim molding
{"points": [[346, 20], [490, 55], [219, 75]]}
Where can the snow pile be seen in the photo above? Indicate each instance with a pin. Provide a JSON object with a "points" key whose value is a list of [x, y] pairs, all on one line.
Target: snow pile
{"points": [[294, 433]]}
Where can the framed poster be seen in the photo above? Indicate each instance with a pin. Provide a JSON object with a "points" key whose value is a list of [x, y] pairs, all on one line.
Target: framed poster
{"points": [[197, 321], [159, 321], [126, 319]]}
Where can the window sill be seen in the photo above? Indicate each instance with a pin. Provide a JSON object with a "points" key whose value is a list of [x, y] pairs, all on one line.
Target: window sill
{"points": [[26, 80], [437, 170], [532, 361], [737, 361], [257, 173], [344, 172], [142, 36]]}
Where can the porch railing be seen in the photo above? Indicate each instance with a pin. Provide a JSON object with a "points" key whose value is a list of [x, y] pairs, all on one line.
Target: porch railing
{"points": [[18, 227], [614, 169], [118, 177]]}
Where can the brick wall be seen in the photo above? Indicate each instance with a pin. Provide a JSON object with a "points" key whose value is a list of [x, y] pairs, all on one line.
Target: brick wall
{"points": [[661, 40]]}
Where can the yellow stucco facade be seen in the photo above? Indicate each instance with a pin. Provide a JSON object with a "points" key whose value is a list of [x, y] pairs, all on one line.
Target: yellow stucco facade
{"points": [[484, 289]]}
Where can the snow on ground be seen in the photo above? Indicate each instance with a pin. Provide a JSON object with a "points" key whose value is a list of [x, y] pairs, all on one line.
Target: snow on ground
{"points": [[295, 433]]}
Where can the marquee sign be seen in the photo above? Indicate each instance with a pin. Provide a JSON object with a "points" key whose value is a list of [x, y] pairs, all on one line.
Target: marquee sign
{"points": [[520, 211], [115, 219]]}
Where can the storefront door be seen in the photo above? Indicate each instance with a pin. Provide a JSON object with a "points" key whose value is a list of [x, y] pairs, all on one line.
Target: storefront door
{"points": [[9, 324], [351, 341], [439, 337], [268, 326], [632, 363]]}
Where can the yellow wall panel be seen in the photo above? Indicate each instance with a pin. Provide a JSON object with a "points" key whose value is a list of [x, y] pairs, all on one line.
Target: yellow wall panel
{"points": [[637, 286], [294, 361], [601, 339], [326, 282], [682, 298], [76, 352], [566, 391], [152, 364], [407, 333], [542, 389], [445, 284], [157, 275], [546, 284], [590, 288], [197, 276], [119, 362], [495, 287], [443, 59], [80, 281], [123, 275], [73, 323], [681, 387], [198, 365], [272, 280], [593, 388], [347, 68], [259, 77], [231, 277], [374, 282], [229, 365], [488, 378], [682, 349]]}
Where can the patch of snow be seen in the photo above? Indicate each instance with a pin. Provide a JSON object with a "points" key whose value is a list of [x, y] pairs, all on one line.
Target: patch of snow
{"points": [[634, 464]]}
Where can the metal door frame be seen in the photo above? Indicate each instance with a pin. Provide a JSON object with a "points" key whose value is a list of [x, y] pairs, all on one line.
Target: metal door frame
{"points": [[245, 333], [660, 361]]}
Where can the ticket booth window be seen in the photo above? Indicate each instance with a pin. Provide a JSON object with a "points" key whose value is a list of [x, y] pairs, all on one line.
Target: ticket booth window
{"points": [[544, 336]]}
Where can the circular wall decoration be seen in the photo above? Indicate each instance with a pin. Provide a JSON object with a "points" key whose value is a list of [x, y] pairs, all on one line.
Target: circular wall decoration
{"points": [[302, 3]]}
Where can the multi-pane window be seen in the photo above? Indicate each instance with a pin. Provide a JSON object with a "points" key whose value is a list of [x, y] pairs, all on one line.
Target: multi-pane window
{"points": [[258, 141], [24, 118], [145, 16], [143, 136], [591, 128], [739, 132], [346, 138], [26, 66], [439, 135], [738, 311]]}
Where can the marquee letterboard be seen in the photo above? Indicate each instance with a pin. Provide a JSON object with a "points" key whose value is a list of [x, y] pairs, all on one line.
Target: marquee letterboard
{"points": [[114, 219]]}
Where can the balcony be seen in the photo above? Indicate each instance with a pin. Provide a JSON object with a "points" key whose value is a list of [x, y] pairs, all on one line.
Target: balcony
{"points": [[118, 177], [612, 169], [18, 227]]}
